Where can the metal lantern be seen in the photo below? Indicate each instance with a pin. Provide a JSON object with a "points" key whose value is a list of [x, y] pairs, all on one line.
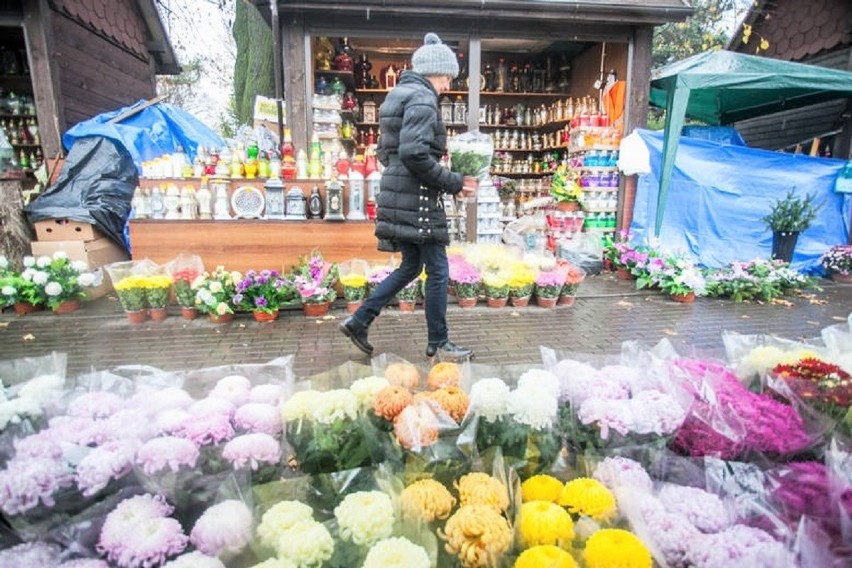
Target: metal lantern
{"points": [[294, 204], [274, 188], [446, 110], [356, 196], [334, 201], [368, 110]]}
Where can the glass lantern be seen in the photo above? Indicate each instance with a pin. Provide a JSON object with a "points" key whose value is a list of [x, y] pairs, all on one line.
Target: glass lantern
{"points": [[295, 204], [274, 189]]}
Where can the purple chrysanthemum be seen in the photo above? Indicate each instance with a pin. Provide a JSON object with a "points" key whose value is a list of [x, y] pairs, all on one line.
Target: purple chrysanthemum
{"points": [[138, 533], [617, 472], [739, 545], [252, 450], [40, 445], [223, 528], [705, 511], [259, 417], [210, 429], [171, 420], [30, 554], [129, 423], [113, 460], [26, 482], [167, 451]]}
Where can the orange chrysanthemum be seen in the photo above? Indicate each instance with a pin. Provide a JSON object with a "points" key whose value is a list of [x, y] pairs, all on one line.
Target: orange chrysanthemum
{"points": [[426, 500], [452, 399], [390, 401], [403, 374], [416, 427], [444, 374]]}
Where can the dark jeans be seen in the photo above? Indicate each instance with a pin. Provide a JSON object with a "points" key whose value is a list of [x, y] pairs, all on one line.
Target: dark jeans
{"points": [[414, 257]]}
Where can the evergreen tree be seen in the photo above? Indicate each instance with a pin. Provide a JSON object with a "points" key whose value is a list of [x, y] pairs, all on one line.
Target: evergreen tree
{"points": [[253, 68]]}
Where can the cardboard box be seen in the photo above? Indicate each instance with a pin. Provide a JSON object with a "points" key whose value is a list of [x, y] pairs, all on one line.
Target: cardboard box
{"points": [[96, 254], [65, 230]]}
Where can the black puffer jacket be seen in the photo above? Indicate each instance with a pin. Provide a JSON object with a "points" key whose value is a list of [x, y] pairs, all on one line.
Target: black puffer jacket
{"points": [[413, 139]]}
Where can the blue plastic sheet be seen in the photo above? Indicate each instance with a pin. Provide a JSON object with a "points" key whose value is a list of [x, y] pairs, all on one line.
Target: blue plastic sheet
{"points": [[720, 134], [720, 194], [159, 129]]}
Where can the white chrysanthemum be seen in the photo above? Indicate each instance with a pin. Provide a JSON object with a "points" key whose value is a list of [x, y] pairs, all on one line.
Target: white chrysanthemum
{"points": [[300, 405], [53, 288], [28, 273], [29, 261], [281, 517], [43, 261], [275, 563], [8, 290], [215, 287], [224, 528], [307, 543], [533, 407], [205, 297], [44, 388], [268, 393], [365, 389], [60, 254], [489, 398], [540, 379], [86, 279], [759, 360], [334, 405], [222, 308], [194, 559], [12, 411], [397, 552], [4, 262], [365, 517], [234, 388], [79, 265], [39, 277]]}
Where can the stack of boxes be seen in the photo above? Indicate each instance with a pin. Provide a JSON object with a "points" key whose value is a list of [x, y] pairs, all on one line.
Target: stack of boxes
{"points": [[80, 241]]}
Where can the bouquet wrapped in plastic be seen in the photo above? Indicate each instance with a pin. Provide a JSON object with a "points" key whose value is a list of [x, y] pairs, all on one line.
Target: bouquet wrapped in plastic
{"points": [[471, 153], [184, 269]]}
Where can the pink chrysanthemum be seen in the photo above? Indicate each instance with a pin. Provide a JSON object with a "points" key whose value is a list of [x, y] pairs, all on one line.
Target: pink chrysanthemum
{"points": [[30, 554], [129, 423], [259, 417], [40, 445], [212, 405], [234, 388], [171, 420], [267, 393], [113, 460], [224, 528], [194, 560], [167, 451], [28, 481], [252, 450], [78, 430], [155, 401], [84, 563], [207, 429], [617, 472], [95, 404]]}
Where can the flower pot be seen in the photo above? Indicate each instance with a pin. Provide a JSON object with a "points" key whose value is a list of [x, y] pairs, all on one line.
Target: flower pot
{"points": [[24, 308], [137, 316], [67, 307], [567, 300], [224, 318], [687, 298], [158, 314], [497, 302], [188, 313], [521, 302], [407, 305], [843, 278], [316, 310], [546, 302], [624, 274], [466, 302], [264, 317], [783, 244], [567, 206], [353, 306]]}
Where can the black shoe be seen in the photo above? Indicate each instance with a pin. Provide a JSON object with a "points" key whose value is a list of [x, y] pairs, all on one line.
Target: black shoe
{"points": [[357, 334], [448, 349]]}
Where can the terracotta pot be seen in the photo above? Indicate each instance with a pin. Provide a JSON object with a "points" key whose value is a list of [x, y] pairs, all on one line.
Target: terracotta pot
{"points": [[466, 302], [137, 316], [567, 206], [624, 274], [546, 302], [687, 298], [497, 302], [24, 308], [224, 318], [158, 314], [188, 313], [567, 300], [264, 317], [67, 307], [607, 265], [353, 306], [842, 278], [521, 302], [316, 310], [406, 305]]}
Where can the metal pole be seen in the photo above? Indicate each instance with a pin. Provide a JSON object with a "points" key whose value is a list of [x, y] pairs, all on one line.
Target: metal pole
{"points": [[277, 68]]}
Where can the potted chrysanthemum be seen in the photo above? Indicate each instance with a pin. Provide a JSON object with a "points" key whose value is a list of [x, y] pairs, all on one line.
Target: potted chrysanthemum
{"points": [[837, 262], [548, 285], [466, 280], [214, 294], [131, 295], [354, 290], [574, 278], [407, 297], [262, 293], [18, 289], [521, 284], [680, 278], [157, 289], [61, 281], [496, 288]]}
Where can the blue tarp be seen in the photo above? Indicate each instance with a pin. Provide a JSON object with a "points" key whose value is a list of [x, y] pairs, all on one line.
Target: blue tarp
{"points": [[159, 129], [720, 194], [721, 134]]}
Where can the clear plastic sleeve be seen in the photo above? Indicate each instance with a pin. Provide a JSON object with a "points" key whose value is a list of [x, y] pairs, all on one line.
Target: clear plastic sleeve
{"points": [[471, 153]]}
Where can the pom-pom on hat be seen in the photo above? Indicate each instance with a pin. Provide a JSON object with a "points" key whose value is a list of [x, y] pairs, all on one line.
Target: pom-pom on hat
{"points": [[434, 58]]}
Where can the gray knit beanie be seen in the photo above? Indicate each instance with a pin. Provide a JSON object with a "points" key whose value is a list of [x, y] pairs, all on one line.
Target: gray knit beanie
{"points": [[434, 58]]}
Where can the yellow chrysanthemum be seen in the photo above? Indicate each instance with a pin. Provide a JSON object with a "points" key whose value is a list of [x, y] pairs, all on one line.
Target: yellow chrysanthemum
{"points": [[541, 488], [587, 496], [129, 283], [544, 522], [426, 500], [481, 489], [354, 280], [478, 535], [546, 556], [158, 281], [616, 548]]}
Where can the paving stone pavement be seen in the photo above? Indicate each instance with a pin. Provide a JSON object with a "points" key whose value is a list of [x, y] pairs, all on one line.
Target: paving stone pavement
{"points": [[607, 313]]}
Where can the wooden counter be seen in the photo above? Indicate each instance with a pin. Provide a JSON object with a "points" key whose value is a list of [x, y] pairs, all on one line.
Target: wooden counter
{"points": [[256, 244]]}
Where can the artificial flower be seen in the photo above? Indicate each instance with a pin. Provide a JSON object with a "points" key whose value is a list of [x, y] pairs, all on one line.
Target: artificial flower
{"points": [[544, 522], [224, 528], [365, 517], [541, 488], [478, 488], [258, 417], [396, 552], [545, 556], [163, 452], [252, 450], [608, 548], [390, 401], [586, 496], [444, 374], [112, 460], [366, 390], [478, 535], [426, 500]]}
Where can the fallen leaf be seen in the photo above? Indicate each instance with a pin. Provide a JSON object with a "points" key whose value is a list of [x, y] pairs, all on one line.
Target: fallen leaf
{"points": [[625, 304], [329, 317], [514, 314], [242, 326], [29, 337], [745, 316], [838, 318], [669, 332], [4, 324], [813, 322]]}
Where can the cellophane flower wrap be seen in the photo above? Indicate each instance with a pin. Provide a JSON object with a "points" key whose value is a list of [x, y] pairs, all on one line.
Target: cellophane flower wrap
{"points": [[573, 278], [471, 153], [184, 269], [353, 278], [314, 279], [131, 293], [157, 290], [214, 291], [465, 277]]}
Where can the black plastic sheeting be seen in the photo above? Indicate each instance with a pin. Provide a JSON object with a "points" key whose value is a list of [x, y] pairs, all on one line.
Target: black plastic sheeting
{"points": [[95, 186]]}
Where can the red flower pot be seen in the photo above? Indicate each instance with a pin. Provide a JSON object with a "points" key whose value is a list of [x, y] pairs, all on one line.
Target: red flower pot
{"points": [[158, 314], [497, 302], [624, 274], [137, 316], [842, 278], [224, 318], [567, 300], [67, 307], [188, 313], [546, 302], [687, 298], [353, 306], [521, 302], [316, 310], [24, 308], [264, 317], [406, 305], [466, 302]]}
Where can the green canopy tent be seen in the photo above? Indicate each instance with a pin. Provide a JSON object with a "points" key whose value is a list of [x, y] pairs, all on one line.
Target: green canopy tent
{"points": [[721, 87]]}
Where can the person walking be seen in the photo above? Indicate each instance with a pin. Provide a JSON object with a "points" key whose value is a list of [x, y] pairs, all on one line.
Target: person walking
{"points": [[411, 217]]}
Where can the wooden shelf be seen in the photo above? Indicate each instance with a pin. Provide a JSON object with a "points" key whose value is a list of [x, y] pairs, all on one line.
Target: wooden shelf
{"points": [[522, 95]]}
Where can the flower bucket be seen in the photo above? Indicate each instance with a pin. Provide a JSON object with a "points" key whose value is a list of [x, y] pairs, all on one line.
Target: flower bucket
{"points": [[67, 307], [188, 313], [521, 302], [567, 300], [24, 308], [497, 302], [546, 302], [687, 298], [316, 310], [466, 302], [264, 317], [406, 306], [137, 316], [783, 244], [224, 318], [158, 314]]}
